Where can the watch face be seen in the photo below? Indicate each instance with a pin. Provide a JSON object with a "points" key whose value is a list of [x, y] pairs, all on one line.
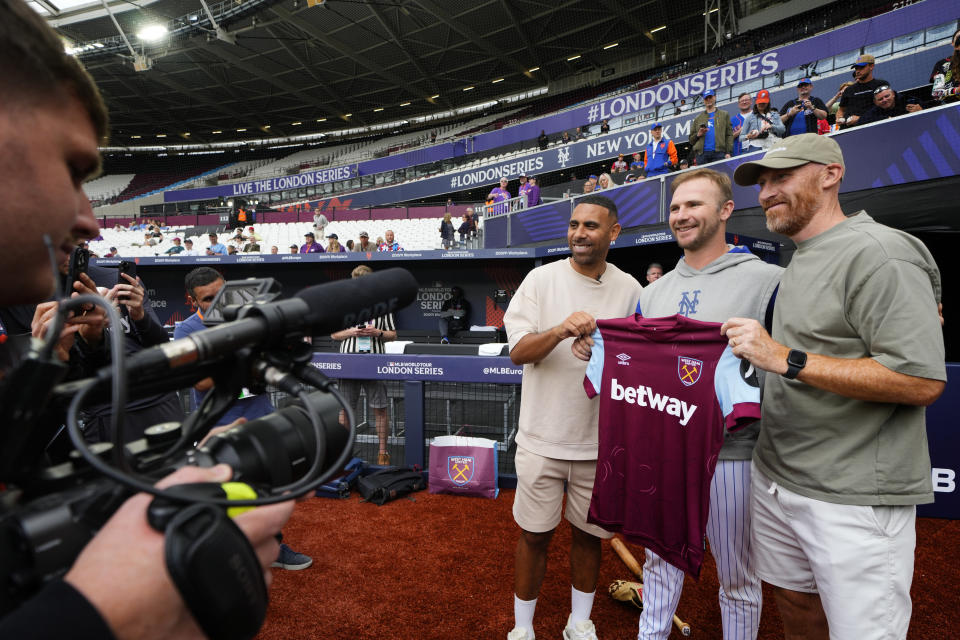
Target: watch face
{"points": [[797, 358]]}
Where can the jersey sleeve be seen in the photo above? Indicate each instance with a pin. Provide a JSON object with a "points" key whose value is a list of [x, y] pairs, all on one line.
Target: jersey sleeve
{"points": [[738, 390], [593, 379]]}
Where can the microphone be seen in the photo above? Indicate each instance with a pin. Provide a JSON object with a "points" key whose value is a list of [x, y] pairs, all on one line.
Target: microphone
{"points": [[320, 309]]}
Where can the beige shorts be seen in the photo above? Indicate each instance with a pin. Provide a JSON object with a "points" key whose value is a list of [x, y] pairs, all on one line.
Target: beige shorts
{"points": [[858, 558], [539, 497]]}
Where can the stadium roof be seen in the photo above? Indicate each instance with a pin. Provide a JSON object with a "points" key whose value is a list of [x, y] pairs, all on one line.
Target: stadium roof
{"points": [[283, 68]]}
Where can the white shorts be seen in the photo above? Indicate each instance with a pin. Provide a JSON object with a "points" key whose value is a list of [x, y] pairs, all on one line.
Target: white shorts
{"points": [[858, 558], [539, 497]]}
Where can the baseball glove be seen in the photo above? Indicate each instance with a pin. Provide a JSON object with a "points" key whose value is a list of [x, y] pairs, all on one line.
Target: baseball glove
{"points": [[626, 591]]}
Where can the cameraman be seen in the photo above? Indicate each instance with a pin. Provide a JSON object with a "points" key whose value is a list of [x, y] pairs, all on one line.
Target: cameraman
{"points": [[51, 121]]}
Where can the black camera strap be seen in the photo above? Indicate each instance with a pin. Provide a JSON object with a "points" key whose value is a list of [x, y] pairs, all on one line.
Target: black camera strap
{"points": [[216, 570]]}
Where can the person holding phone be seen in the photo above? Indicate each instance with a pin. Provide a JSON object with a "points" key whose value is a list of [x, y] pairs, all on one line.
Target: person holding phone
{"points": [[711, 134], [763, 126], [801, 115]]}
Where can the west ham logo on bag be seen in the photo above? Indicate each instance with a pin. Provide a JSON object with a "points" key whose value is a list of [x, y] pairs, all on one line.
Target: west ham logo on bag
{"points": [[460, 469], [689, 370]]}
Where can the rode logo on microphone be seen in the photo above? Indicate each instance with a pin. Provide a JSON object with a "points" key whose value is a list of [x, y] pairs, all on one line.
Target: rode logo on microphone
{"points": [[369, 313]]}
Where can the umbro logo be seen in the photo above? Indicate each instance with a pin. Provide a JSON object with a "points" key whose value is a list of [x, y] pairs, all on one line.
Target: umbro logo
{"points": [[623, 359]]}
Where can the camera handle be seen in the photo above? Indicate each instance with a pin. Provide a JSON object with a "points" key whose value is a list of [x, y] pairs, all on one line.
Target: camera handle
{"points": [[211, 562]]}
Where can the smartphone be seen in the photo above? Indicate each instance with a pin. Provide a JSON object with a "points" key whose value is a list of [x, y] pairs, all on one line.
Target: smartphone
{"points": [[127, 267], [79, 261]]}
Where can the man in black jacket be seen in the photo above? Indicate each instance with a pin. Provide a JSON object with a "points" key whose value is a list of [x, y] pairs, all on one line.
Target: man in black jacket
{"points": [[887, 104]]}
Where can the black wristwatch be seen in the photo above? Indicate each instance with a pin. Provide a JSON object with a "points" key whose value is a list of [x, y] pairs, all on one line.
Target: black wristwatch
{"points": [[796, 360]]}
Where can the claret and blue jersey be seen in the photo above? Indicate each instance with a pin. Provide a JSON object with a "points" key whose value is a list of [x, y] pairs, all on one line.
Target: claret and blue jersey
{"points": [[668, 388]]}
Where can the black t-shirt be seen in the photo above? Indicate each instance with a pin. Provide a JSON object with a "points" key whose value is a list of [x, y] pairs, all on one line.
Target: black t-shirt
{"points": [[58, 611], [857, 99]]}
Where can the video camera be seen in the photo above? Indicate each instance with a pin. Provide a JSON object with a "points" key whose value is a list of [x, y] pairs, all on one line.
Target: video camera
{"points": [[50, 510]]}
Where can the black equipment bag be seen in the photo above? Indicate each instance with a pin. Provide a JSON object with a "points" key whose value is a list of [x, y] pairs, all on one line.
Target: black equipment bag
{"points": [[389, 484]]}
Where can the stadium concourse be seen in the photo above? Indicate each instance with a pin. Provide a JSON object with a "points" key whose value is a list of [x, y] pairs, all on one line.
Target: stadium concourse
{"points": [[385, 116]]}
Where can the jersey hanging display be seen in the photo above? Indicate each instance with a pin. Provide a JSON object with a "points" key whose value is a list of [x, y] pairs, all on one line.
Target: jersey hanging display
{"points": [[668, 387]]}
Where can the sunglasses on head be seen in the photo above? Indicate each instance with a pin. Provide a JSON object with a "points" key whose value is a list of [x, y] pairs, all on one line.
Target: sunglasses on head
{"points": [[881, 88]]}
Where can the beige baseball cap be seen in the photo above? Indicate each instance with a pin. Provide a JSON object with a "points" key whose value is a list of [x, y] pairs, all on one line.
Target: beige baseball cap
{"points": [[790, 152]]}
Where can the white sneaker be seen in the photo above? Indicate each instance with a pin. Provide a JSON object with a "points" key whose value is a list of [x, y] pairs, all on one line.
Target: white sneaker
{"points": [[519, 633], [583, 630]]}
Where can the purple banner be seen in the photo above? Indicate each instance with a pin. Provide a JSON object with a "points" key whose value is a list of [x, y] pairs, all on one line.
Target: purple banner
{"points": [[364, 366]]}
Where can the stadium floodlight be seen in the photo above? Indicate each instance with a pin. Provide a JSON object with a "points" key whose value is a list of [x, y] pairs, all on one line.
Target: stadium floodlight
{"points": [[611, 46], [404, 104], [534, 69], [572, 58], [378, 109], [347, 115], [435, 96], [470, 88], [658, 29], [295, 124], [497, 80], [321, 119], [152, 33]]}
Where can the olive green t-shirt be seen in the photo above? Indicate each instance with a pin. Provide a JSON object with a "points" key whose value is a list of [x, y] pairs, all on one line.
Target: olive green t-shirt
{"points": [[857, 290]]}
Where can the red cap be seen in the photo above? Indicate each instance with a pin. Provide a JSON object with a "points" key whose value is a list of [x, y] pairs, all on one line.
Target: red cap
{"points": [[763, 96]]}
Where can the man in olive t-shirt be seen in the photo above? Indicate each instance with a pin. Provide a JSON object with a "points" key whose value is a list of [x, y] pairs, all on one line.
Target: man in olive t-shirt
{"points": [[841, 461]]}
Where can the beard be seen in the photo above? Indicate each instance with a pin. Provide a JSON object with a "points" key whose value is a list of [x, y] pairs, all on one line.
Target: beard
{"points": [[798, 210]]}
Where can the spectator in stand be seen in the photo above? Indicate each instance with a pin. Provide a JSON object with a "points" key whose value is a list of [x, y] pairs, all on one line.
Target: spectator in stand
{"points": [[369, 338], [364, 243], [389, 244], [274, 250], [801, 115], [175, 249], [661, 154], [857, 99], [523, 188], [745, 104], [113, 253], [579, 134], [565, 138], [833, 104], [637, 163], [543, 141], [379, 243], [446, 231], [604, 182], [499, 195], [311, 245], [464, 229], [619, 165], [654, 272], [454, 315], [589, 186], [711, 134], [216, 248], [253, 235], [320, 222], [763, 126], [530, 191], [349, 245], [232, 250], [333, 244], [684, 164], [888, 104], [533, 193], [293, 249], [449, 204], [252, 246], [188, 248], [604, 126], [946, 75]]}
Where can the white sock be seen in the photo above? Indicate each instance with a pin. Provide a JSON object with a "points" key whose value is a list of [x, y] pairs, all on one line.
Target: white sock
{"points": [[581, 604], [523, 613]]}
